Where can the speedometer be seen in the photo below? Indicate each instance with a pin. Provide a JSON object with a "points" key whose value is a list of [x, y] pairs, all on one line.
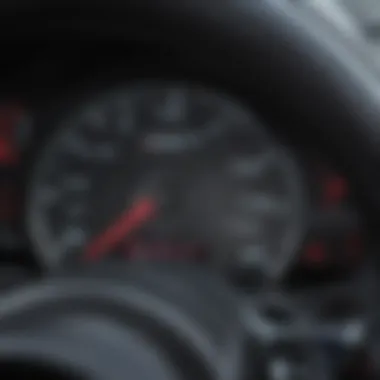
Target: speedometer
{"points": [[166, 170]]}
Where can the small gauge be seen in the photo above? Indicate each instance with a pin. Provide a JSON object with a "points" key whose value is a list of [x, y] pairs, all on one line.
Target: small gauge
{"points": [[13, 120], [171, 169], [337, 237]]}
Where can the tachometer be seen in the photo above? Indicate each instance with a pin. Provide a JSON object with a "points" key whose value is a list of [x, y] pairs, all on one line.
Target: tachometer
{"points": [[164, 169]]}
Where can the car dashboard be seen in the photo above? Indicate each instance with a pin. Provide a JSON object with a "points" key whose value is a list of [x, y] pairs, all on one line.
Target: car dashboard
{"points": [[110, 151]]}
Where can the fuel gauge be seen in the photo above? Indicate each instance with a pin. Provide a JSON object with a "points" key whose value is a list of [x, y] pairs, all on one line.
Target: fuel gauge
{"points": [[336, 238]]}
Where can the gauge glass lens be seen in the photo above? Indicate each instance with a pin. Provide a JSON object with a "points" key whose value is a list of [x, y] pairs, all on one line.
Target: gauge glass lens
{"points": [[163, 169]]}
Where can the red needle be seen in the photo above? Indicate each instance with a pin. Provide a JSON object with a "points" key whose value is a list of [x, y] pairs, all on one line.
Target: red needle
{"points": [[141, 211]]}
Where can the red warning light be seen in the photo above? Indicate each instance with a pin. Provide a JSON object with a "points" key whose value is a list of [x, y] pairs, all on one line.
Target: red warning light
{"points": [[315, 253], [7, 152], [335, 191]]}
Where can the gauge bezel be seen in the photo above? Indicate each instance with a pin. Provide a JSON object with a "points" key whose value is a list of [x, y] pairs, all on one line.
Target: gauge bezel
{"points": [[39, 236]]}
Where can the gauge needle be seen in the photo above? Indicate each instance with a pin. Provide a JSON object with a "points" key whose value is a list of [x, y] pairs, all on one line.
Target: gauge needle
{"points": [[132, 219]]}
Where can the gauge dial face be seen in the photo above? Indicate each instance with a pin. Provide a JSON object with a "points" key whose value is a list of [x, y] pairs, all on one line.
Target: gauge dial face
{"points": [[163, 169]]}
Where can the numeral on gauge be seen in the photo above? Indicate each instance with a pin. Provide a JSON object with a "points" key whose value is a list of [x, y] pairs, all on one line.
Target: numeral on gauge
{"points": [[265, 204], [250, 166]]}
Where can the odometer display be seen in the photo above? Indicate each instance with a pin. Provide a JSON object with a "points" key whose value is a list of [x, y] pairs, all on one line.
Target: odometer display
{"points": [[210, 177]]}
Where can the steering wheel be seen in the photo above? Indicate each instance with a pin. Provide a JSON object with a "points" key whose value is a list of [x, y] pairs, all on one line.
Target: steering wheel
{"points": [[306, 78]]}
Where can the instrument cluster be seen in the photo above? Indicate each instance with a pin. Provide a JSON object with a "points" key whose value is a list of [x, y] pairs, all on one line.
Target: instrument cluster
{"points": [[159, 169], [216, 183]]}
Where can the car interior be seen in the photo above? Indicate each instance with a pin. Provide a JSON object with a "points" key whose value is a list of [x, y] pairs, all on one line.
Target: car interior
{"points": [[190, 189]]}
